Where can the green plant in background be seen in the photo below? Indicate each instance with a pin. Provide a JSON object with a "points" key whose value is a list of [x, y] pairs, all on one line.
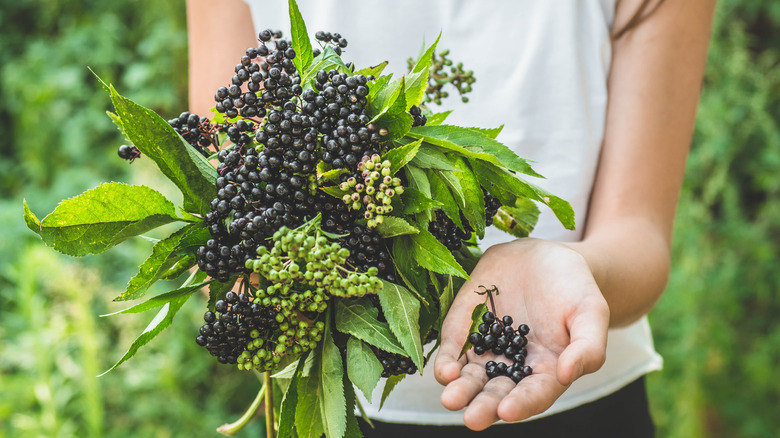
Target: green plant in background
{"points": [[717, 324]]}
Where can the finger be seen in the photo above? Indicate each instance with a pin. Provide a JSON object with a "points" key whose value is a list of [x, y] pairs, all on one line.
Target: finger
{"points": [[533, 395], [483, 410], [587, 350], [459, 393], [454, 331]]}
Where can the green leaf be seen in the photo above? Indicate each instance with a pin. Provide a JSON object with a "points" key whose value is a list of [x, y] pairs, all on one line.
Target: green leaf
{"points": [[433, 158], [334, 191], [156, 265], [408, 269], [490, 132], [390, 384], [29, 218], [363, 368], [176, 159], [442, 193], [353, 428], [98, 219], [393, 114], [300, 39], [418, 179], [437, 118], [518, 220], [375, 70], [163, 319], [401, 156], [325, 172], [183, 265], [358, 317], [308, 415], [378, 90], [433, 255], [162, 299], [290, 401], [331, 385], [445, 300], [453, 183], [417, 80], [476, 320], [393, 226], [492, 175], [327, 60], [402, 311], [473, 195], [473, 144], [415, 202]]}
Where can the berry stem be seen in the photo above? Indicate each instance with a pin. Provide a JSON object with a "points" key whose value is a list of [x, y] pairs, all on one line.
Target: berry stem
{"points": [[231, 428]]}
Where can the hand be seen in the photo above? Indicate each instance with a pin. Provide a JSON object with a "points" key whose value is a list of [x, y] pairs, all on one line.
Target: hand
{"points": [[547, 286]]}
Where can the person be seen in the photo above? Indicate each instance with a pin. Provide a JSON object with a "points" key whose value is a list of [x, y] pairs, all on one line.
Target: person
{"points": [[602, 94]]}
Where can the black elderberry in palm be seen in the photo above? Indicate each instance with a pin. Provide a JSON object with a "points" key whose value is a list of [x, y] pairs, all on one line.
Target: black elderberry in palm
{"points": [[499, 337]]}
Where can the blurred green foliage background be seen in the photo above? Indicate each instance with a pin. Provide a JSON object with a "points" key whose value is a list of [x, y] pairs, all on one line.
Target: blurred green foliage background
{"points": [[716, 325]]}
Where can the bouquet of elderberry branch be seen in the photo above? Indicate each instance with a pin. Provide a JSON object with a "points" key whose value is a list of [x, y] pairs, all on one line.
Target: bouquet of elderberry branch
{"points": [[330, 214]]}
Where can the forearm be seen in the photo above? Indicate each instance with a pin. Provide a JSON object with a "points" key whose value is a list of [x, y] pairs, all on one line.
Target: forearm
{"points": [[630, 261]]}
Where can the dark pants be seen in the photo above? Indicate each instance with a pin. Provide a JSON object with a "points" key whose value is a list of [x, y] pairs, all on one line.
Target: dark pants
{"points": [[622, 414]]}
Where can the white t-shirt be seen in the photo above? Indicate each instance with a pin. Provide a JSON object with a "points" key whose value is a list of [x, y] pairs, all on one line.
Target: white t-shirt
{"points": [[541, 69]]}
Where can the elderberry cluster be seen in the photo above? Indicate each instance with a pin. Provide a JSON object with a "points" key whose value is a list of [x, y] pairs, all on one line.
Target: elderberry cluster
{"points": [[292, 338], [448, 233], [499, 337], [418, 118], [238, 320], [340, 107], [196, 130], [367, 250], [334, 39], [395, 364]]}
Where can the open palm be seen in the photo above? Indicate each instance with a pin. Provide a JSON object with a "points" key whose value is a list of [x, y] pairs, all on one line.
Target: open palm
{"points": [[547, 286]]}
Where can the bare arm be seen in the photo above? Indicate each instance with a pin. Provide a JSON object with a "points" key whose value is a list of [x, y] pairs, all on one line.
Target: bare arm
{"points": [[654, 90], [218, 33], [572, 293]]}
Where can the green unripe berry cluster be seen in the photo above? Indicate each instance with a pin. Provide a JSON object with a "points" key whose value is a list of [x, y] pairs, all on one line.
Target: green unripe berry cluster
{"points": [[293, 338], [373, 191]]}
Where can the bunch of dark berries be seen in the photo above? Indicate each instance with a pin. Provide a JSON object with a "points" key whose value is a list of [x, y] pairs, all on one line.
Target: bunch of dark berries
{"points": [[394, 364], [499, 337], [198, 131], [236, 322], [447, 231], [335, 39]]}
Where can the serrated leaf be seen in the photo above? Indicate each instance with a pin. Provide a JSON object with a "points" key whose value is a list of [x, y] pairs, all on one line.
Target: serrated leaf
{"points": [[490, 174], [161, 321], [290, 401], [390, 384], [445, 300], [437, 118], [402, 311], [154, 267], [183, 265], [413, 276], [417, 80], [473, 144], [433, 255], [327, 173], [378, 89], [415, 201], [375, 70], [393, 115], [393, 226], [518, 220], [162, 299], [442, 193], [331, 385], [176, 159], [308, 415], [473, 195], [418, 179], [433, 158], [490, 132], [476, 320], [100, 218], [401, 156], [363, 368], [453, 183], [353, 428], [358, 318], [300, 39]]}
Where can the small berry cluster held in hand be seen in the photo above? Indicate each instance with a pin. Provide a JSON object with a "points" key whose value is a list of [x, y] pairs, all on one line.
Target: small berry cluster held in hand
{"points": [[499, 337], [365, 194]]}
